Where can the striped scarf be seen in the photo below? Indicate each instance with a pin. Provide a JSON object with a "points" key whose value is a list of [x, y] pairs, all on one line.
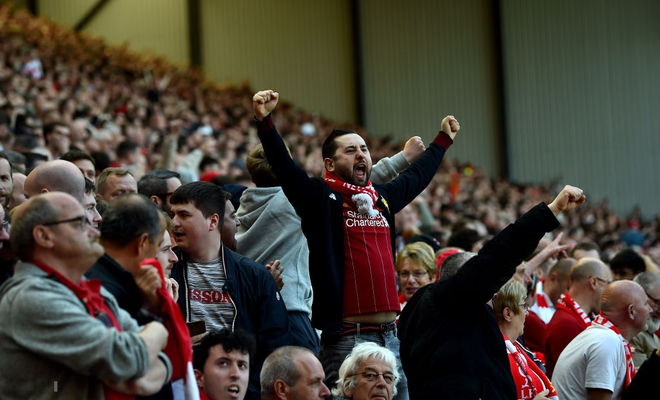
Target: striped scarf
{"points": [[630, 367], [566, 303]]}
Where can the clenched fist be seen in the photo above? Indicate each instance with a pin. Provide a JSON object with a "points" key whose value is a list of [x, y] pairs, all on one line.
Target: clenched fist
{"points": [[264, 102], [450, 126]]}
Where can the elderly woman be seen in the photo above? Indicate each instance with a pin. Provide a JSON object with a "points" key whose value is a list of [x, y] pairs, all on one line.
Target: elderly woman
{"points": [[510, 311], [369, 371], [416, 267]]}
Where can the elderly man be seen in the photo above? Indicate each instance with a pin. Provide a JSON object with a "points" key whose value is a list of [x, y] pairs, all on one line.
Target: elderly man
{"points": [[56, 176], [293, 373], [114, 182], [60, 333], [587, 280], [598, 363], [647, 341], [451, 345], [222, 364], [369, 372]]}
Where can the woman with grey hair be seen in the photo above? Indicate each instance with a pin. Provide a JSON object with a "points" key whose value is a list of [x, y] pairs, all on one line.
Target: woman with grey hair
{"points": [[370, 369]]}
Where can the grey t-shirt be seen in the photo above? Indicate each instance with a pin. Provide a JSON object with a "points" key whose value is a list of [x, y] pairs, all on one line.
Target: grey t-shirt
{"points": [[208, 303]]}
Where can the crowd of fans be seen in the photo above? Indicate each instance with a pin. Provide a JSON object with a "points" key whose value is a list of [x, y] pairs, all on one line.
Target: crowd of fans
{"points": [[68, 96]]}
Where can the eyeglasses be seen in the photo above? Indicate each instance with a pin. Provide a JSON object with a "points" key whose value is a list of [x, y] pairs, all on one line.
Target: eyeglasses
{"points": [[370, 376], [524, 306], [605, 281], [5, 226], [655, 301], [416, 274], [82, 221]]}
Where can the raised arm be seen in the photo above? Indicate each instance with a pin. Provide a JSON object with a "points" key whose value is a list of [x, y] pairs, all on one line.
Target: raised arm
{"points": [[299, 188], [388, 168], [476, 282]]}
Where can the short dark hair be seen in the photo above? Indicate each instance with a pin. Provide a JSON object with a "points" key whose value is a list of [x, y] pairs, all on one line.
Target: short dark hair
{"points": [[154, 183], [75, 155], [205, 196], [126, 147], [464, 238], [230, 340], [330, 145], [11, 166], [628, 258], [586, 246], [90, 187], [206, 161], [49, 128], [129, 216]]}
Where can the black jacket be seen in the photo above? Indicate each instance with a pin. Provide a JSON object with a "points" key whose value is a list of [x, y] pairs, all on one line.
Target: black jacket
{"points": [[260, 309], [451, 345], [320, 211]]}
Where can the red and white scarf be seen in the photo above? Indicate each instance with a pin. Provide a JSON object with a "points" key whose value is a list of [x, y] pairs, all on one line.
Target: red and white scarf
{"points": [[179, 347], [363, 198], [528, 377], [543, 307], [630, 367], [566, 303]]}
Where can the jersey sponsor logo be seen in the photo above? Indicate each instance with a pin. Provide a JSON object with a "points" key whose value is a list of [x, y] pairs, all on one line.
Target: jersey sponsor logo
{"points": [[354, 219], [209, 296]]}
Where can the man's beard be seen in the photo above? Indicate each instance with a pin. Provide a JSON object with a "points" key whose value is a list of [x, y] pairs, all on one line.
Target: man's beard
{"points": [[346, 175], [652, 325]]}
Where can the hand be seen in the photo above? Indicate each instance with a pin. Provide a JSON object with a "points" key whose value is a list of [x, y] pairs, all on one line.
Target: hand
{"points": [[414, 148], [568, 199], [542, 395], [198, 338], [450, 126], [264, 102], [172, 287], [148, 282], [156, 333], [554, 248], [276, 270]]}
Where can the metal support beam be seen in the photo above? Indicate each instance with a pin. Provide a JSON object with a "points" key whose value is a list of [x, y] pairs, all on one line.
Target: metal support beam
{"points": [[358, 66], [90, 15], [496, 12], [194, 33]]}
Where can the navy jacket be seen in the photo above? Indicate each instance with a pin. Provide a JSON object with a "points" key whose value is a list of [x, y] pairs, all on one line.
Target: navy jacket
{"points": [[451, 345], [260, 309], [320, 211]]}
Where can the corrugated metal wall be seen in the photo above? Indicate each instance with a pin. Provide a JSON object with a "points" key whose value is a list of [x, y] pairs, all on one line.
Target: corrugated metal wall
{"points": [[303, 49], [427, 59], [582, 94], [157, 27]]}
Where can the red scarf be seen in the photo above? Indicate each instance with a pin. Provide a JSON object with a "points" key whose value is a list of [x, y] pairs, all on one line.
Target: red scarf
{"points": [[630, 368], [89, 292], [179, 347], [528, 377], [348, 190], [566, 303]]}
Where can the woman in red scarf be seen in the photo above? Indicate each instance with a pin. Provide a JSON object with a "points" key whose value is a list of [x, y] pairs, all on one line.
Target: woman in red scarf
{"points": [[510, 311], [416, 267]]}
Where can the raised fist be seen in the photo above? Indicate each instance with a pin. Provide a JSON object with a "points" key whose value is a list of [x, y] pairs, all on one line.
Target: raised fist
{"points": [[264, 102]]}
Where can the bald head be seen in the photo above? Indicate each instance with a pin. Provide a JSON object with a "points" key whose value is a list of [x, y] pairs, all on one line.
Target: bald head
{"points": [[625, 304], [588, 267], [56, 176]]}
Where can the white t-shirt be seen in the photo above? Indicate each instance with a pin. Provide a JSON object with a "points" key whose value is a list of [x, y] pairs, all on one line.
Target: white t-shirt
{"points": [[594, 359]]}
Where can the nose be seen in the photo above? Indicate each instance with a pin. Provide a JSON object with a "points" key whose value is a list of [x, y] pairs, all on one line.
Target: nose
{"points": [[233, 371], [97, 217], [325, 392], [171, 257]]}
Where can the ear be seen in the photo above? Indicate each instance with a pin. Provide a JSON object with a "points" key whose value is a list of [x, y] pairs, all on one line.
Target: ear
{"points": [[631, 312], [507, 314], [44, 190], [214, 220], [348, 393], [142, 244], [593, 282], [156, 200], [43, 237], [329, 164], [281, 389], [199, 375]]}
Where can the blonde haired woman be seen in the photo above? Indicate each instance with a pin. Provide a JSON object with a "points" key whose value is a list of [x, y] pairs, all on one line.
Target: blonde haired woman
{"points": [[416, 267], [510, 311]]}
